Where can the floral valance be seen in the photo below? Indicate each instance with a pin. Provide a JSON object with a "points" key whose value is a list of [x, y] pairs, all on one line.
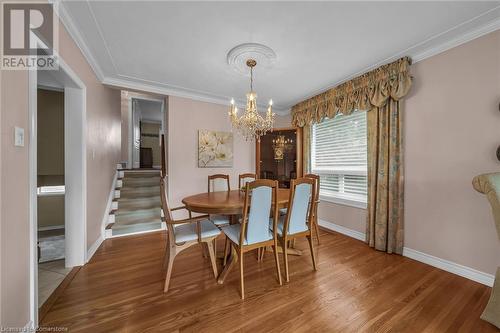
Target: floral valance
{"points": [[369, 90]]}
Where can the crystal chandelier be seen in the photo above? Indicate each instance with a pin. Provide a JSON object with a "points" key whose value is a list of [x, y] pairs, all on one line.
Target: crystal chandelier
{"points": [[281, 145], [251, 124]]}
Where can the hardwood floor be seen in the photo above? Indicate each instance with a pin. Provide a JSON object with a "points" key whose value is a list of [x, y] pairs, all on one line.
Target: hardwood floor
{"points": [[356, 289]]}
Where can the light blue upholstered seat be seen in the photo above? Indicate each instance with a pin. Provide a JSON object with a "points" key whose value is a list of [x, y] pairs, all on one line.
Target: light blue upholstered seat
{"points": [[219, 220], [233, 232], [187, 232]]}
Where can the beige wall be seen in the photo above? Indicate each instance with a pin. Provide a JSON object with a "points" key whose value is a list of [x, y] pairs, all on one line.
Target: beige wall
{"points": [[185, 118], [103, 152], [452, 127]]}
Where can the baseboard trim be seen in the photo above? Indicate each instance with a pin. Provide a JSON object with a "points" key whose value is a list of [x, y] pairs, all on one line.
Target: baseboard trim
{"points": [[450, 266], [51, 227], [342, 230], [91, 251], [446, 265]]}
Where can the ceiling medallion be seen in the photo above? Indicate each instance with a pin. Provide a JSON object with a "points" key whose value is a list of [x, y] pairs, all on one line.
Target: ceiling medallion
{"points": [[251, 124], [238, 56]]}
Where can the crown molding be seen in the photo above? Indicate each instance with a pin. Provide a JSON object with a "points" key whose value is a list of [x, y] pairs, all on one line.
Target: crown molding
{"points": [[479, 26], [136, 84], [476, 27], [73, 31], [476, 32]]}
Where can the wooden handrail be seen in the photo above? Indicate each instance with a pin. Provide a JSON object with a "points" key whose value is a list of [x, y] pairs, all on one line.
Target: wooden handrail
{"points": [[163, 162]]}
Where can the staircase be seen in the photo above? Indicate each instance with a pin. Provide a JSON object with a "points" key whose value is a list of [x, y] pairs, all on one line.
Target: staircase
{"points": [[137, 204]]}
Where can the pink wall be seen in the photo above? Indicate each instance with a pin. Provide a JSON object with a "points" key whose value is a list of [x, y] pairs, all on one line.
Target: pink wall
{"points": [[452, 129], [103, 152], [185, 118], [451, 134]]}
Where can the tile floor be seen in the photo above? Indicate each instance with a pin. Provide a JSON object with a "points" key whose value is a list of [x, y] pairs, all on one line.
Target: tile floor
{"points": [[50, 275]]}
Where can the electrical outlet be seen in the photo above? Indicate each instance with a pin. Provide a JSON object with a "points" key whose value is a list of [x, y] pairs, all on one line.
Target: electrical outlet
{"points": [[18, 137]]}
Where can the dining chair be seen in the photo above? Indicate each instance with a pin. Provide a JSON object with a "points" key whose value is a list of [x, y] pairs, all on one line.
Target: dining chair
{"points": [[261, 199], [219, 183], [245, 178], [315, 224], [185, 233], [298, 220]]}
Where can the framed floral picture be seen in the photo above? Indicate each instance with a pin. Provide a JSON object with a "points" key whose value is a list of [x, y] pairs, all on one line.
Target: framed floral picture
{"points": [[215, 149]]}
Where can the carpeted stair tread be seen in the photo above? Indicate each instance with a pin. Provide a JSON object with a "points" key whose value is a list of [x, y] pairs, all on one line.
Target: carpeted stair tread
{"points": [[128, 229], [139, 192], [139, 203]]}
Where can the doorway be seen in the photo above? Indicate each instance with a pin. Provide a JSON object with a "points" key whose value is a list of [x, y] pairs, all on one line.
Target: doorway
{"points": [[146, 127], [66, 179]]}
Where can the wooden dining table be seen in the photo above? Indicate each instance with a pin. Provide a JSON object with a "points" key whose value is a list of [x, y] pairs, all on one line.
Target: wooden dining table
{"points": [[229, 203]]}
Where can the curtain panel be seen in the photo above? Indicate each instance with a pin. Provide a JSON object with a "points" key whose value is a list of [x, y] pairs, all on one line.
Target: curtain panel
{"points": [[379, 93]]}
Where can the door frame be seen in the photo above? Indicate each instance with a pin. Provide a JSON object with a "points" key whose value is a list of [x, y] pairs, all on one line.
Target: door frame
{"points": [[131, 98], [75, 173], [299, 141]]}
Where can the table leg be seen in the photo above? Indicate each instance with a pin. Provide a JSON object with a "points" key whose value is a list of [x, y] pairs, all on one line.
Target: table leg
{"points": [[233, 259]]}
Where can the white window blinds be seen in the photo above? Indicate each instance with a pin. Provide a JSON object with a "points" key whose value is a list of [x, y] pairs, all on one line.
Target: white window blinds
{"points": [[339, 156]]}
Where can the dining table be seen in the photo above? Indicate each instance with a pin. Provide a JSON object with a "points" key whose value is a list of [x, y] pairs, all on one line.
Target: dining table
{"points": [[229, 203]]}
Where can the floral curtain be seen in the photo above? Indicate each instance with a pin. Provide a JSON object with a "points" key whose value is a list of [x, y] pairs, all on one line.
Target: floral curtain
{"points": [[379, 92]]}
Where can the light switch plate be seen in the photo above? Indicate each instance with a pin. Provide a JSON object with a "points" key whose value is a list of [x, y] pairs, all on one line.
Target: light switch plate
{"points": [[18, 137]]}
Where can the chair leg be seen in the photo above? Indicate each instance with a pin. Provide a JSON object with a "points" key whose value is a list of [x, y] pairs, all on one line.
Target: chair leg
{"points": [[171, 257], [262, 252], [226, 249], [316, 226], [277, 260], [258, 253], [242, 283], [285, 258], [309, 239], [212, 254]]}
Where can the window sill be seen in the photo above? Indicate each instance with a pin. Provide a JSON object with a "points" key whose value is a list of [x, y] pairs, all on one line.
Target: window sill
{"points": [[344, 201]]}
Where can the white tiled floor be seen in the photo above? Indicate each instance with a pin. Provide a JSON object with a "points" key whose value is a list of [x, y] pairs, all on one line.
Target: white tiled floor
{"points": [[50, 275]]}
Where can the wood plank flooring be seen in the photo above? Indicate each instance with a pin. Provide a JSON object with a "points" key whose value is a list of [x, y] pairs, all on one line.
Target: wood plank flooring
{"points": [[356, 289]]}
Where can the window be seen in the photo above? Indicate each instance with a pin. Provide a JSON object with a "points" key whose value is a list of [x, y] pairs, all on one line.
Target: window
{"points": [[338, 156]]}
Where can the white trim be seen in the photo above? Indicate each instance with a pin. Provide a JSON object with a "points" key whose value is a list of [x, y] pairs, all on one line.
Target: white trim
{"points": [[450, 266], [133, 83], [93, 248], [446, 265], [51, 227], [342, 230], [75, 34], [478, 26], [481, 29], [75, 164], [344, 201]]}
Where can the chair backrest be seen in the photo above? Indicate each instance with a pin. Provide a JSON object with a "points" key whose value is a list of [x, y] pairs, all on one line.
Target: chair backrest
{"points": [[166, 207], [246, 178], [217, 183], [261, 197], [301, 205], [316, 178]]}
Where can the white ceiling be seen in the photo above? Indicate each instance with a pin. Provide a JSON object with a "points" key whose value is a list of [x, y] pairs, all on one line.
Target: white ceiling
{"points": [[180, 48]]}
